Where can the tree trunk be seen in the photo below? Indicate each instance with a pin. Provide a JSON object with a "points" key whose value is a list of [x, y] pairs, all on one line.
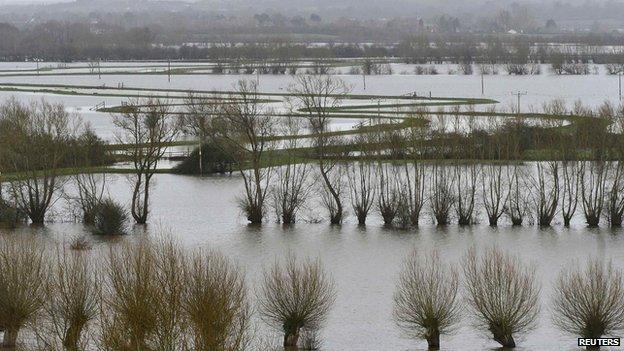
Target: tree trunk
{"points": [[516, 221], [493, 220], [361, 218], [593, 221], [433, 340], [10, 338], [291, 339], [463, 220], [72, 336], [505, 339]]}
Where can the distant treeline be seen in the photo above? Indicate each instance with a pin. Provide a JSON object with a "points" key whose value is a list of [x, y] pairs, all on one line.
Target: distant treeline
{"points": [[60, 41]]}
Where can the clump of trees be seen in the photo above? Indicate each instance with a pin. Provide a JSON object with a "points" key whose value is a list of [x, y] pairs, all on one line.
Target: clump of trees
{"points": [[36, 141]]}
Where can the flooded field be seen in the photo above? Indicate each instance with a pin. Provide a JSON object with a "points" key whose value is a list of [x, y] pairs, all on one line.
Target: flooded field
{"points": [[363, 261]]}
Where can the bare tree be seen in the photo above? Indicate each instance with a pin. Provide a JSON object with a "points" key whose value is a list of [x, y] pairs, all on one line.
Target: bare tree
{"points": [[571, 175], [142, 297], [294, 296], [90, 194], [426, 301], [146, 130], [589, 303], [593, 183], [73, 302], [502, 293], [414, 191], [466, 176], [216, 304], [546, 184], [494, 192], [519, 197], [363, 191], [23, 284], [317, 97], [388, 197], [37, 139], [441, 195], [292, 186], [198, 119], [245, 130], [615, 196]]}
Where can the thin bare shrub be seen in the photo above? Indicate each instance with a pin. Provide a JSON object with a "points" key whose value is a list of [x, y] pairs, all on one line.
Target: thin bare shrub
{"points": [[23, 285], [91, 188], [502, 293], [216, 304], [363, 191], [295, 295], [426, 300], [589, 303]]}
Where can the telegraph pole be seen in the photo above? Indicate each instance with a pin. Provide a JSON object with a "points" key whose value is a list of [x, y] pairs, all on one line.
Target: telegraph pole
{"points": [[364, 79], [620, 84], [482, 85], [169, 70], [99, 70], [519, 95]]}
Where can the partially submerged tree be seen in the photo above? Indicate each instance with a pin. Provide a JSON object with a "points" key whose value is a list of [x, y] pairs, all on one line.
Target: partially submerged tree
{"points": [[494, 192], [23, 283], [244, 130], [73, 302], [503, 294], [292, 185], [426, 300], [296, 295], [317, 97], [589, 303], [363, 190], [146, 130], [388, 192], [216, 304], [441, 194], [593, 183]]}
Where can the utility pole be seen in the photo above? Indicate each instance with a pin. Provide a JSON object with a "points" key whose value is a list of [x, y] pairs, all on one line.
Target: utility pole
{"points": [[169, 70], [37, 66], [519, 95], [364, 79], [482, 85], [99, 70], [620, 83]]}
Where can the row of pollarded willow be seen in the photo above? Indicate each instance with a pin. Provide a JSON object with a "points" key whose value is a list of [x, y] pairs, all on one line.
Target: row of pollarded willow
{"points": [[149, 295], [502, 295], [155, 295]]}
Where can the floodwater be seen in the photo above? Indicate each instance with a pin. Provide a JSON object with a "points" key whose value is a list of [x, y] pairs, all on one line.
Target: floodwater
{"points": [[363, 261]]}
